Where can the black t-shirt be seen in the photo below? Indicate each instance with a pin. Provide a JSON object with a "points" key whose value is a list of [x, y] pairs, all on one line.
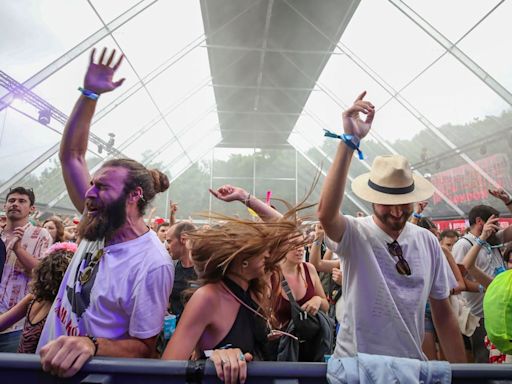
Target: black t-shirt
{"points": [[182, 277]]}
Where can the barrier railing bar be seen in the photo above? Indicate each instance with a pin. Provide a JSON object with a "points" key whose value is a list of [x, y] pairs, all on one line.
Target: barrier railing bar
{"points": [[15, 367]]}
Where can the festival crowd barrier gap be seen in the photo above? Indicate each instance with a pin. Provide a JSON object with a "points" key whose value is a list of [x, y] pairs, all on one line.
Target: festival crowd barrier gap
{"points": [[25, 368]]}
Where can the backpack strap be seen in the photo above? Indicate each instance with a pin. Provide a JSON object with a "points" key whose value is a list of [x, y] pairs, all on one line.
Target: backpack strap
{"points": [[288, 291], [469, 241]]}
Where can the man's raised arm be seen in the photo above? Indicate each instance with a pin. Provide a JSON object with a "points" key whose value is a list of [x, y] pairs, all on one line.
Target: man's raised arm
{"points": [[73, 146], [334, 185]]}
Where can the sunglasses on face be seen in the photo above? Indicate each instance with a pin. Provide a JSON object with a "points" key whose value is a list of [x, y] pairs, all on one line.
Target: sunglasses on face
{"points": [[402, 266]]}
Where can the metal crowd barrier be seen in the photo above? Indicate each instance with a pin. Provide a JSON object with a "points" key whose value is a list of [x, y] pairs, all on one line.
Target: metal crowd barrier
{"points": [[24, 368]]}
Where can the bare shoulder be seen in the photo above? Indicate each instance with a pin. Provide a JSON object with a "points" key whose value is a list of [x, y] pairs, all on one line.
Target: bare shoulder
{"points": [[208, 294], [311, 268]]}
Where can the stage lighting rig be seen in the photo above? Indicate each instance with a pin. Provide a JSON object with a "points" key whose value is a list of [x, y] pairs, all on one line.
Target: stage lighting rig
{"points": [[46, 112]]}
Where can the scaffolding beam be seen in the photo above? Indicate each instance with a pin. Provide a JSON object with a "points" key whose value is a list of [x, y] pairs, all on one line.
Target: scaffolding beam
{"points": [[395, 94], [77, 50], [452, 48]]}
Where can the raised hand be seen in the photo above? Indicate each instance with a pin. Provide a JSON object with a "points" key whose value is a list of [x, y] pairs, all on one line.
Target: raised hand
{"points": [[99, 76], [352, 123], [230, 193], [319, 231], [420, 207], [491, 226], [501, 194]]}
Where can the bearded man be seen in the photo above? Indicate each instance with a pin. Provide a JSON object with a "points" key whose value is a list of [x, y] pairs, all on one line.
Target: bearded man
{"points": [[390, 266], [114, 295]]}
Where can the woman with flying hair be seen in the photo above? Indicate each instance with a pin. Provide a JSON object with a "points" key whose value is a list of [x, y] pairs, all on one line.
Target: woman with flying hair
{"points": [[230, 312], [302, 279]]}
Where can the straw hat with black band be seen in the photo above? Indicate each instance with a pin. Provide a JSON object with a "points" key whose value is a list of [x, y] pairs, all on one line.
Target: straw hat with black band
{"points": [[392, 182]]}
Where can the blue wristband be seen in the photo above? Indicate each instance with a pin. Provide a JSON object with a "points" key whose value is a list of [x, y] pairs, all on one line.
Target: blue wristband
{"points": [[89, 94], [484, 244], [417, 215], [350, 140], [480, 242]]}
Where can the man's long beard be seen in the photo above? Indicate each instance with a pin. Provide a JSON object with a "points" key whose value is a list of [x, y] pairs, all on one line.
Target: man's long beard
{"points": [[104, 224]]}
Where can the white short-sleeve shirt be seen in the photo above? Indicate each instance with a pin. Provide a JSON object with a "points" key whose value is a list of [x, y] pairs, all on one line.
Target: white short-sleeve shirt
{"points": [[127, 295], [383, 310], [487, 262]]}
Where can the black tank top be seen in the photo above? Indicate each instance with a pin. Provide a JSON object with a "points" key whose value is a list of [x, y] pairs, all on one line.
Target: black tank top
{"points": [[249, 331]]}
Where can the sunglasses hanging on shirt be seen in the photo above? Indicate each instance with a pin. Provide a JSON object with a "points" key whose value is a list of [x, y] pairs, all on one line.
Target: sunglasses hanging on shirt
{"points": [[402, 266]]}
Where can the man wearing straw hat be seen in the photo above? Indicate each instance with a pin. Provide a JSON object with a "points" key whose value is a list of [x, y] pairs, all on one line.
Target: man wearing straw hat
{"points": [[390, 266]]}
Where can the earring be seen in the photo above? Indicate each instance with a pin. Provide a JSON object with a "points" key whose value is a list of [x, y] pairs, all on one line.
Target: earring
{"points": [[245, 264]]}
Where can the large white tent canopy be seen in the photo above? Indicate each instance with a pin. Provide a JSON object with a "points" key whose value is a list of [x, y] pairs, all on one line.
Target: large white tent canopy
{"points": [[240, 91]]}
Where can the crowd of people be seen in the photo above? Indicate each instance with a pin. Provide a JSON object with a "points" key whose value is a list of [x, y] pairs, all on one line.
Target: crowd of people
{"points": [[278, 288]]}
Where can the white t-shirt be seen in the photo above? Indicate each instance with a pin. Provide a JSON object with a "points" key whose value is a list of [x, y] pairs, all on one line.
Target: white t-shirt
{"points": [[384, 311], [485, 261], [126, 296]]}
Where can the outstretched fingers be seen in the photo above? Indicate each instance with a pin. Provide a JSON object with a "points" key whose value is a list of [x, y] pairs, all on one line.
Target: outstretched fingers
{"points": [[111, 57], [102, 56], [119, 82], [93, 52], [116, 65]]}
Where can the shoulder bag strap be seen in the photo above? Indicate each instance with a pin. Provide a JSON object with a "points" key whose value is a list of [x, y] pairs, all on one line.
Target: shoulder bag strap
{"points": [[469, 241], [288, 291]]}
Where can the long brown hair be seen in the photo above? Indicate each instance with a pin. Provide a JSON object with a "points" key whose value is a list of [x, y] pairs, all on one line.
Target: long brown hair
{"points": [[214, 249], [59, 236]]}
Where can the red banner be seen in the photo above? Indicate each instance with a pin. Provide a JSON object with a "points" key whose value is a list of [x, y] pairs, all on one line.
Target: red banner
{"points": [[461, 225], [464, 184]]}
